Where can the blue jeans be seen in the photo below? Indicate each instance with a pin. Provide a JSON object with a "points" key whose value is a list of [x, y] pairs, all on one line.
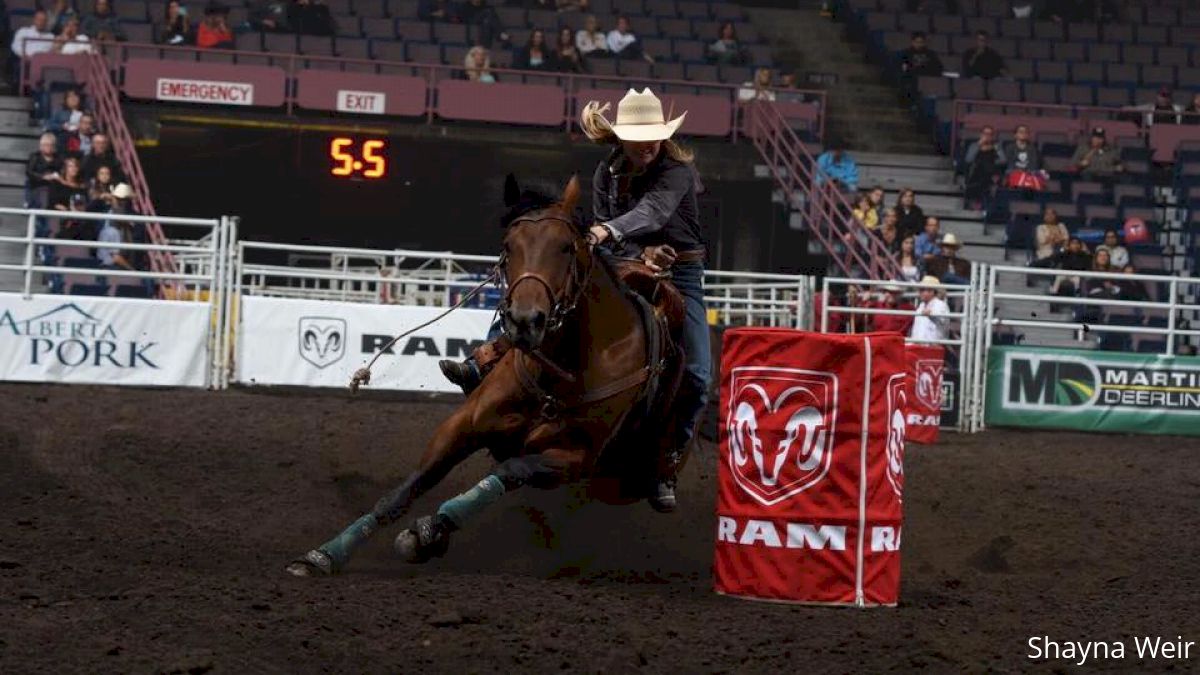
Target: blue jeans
{"points": [[693, 393]]}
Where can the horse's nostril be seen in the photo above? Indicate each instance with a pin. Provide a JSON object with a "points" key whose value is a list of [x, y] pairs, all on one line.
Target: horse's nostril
{"points": [[539, 320]]}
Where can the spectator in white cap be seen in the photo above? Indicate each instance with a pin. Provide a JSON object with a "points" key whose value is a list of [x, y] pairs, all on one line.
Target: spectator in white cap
{"points": [[931, 322]]}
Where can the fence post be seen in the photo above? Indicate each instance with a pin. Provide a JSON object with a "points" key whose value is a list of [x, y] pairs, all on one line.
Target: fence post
{"points": [[30, 231], [1171, 318]]}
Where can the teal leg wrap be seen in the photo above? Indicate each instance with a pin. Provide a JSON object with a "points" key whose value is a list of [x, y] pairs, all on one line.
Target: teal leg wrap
{"points": [[462, 508], [340, 547]]}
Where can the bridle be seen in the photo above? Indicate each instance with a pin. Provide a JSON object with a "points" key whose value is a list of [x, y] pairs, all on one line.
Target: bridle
{"points": [[564, 303]]}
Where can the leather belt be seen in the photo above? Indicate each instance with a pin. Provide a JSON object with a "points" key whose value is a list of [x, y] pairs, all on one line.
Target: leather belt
{"points": [[695, 255]]}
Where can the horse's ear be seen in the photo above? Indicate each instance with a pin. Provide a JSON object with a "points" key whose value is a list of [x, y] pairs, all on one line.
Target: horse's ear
{"points": [[512, 191], [570, 195]]}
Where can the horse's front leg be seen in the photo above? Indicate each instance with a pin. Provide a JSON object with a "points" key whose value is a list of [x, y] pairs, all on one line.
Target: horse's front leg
{"points": [[454, 440], [429, 536]]}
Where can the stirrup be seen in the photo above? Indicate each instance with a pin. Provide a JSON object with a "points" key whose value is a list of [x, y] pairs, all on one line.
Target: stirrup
{"points": [[461, 374], [663, 500]]}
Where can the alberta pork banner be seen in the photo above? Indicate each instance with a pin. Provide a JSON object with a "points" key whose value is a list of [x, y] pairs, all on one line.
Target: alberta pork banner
{"points": [[90, 340], [315, 343], [811, 466], [926, 367]]}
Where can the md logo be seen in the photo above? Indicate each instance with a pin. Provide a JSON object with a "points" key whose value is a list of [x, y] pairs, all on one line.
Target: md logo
{"points": [[1050, 383]]}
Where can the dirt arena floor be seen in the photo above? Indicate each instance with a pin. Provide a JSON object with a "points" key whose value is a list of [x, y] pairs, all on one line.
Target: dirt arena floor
{"points": [[146, 531]]}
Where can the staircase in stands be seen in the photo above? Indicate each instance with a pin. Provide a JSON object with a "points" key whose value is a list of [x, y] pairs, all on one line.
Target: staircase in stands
{"points": [[18, 138]]}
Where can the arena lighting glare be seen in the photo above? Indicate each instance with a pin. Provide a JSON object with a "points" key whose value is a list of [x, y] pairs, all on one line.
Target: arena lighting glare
{"points": [[369, 161]]}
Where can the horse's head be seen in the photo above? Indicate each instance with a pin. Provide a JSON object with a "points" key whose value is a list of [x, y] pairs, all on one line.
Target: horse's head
{"points": [[544, 253]]}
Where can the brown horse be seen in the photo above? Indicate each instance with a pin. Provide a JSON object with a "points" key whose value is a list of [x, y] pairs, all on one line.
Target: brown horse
{"points": [[585, 392]]}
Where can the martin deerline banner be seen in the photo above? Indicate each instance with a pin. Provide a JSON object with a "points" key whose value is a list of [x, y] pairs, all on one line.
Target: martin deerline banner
{"points": [[1093, 391], [314, 343], [85, 340]]}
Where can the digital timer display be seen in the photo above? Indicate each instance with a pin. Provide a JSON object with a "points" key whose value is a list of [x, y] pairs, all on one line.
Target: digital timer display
{"points": [[353, 159]]}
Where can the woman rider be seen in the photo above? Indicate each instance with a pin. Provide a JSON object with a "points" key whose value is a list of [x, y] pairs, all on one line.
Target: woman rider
{"points": [[644, 203]]}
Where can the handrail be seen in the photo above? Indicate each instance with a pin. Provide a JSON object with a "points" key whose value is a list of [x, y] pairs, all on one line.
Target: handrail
{"points": [[571, 83], [109, 115], [795, 170]]}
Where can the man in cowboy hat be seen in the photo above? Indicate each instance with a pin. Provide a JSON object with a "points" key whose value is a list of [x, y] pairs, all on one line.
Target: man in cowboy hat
{"points": [[947, 266], [930, 324], [892, 298], [644, 205]]}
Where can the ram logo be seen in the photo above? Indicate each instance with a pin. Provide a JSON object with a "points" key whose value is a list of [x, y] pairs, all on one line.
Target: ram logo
{"points": [[322, 340]]}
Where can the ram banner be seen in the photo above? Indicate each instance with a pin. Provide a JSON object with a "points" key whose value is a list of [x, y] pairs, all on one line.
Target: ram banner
{"points": [[315, 343], [1093, 391], [87, 340]]}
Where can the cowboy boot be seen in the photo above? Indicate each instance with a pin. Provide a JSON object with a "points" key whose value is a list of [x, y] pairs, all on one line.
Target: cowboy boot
{"points": [[464, 374], [663, 497]]}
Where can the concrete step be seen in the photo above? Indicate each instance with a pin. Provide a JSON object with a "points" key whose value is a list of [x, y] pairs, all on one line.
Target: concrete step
{"points": [[904, 160], [13, 197], [12, 174], [982, 253], [17, 148], [16, 103], [11, 281], [14, 118], [892, 181], [20, 129]]}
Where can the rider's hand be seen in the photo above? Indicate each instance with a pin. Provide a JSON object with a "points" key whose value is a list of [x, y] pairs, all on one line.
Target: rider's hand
{"points": [[658, 258], [598, 233]]}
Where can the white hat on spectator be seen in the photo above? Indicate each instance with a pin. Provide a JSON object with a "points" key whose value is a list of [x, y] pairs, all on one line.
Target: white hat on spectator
{"points": [[122, 191], [930, 281], [639, 117], [950, 240]]}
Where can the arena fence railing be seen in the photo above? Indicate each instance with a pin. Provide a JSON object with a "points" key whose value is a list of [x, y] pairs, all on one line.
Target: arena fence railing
{"points": [[962, 342]]}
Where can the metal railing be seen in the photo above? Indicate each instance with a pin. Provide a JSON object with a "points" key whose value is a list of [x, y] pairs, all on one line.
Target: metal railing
{"points": [[962, 338], [435, 279], [826, 209]]}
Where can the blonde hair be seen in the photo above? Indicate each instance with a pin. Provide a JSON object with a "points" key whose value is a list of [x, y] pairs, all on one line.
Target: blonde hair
{"points": [[598, 129], [469, 62]]}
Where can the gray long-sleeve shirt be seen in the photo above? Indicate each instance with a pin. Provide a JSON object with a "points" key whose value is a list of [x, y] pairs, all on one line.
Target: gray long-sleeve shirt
{"points": [[651, 207]]}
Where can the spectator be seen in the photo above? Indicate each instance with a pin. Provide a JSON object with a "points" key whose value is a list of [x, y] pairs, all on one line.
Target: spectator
{"points": [[727, 48], [1118, 254], [1191, 114], [69, 41], [1101, 262], [1051, 237], [68, 184], [57, 17], [892, 298], [917, 61], [213, 32], [566, 55], [79, 142], [1096, 158], [478, 65], [41, 171], [484, 22], [875, 198], [866, 216], [788, 92], [310, 17], [985, 163], [437, 10], [1131, 289], [66, 121], [535, 55], [623, 43], [111, 257], [1162, 111], [1074, 259], [590, 40], [100, 188], [947, 266], [925, 245], [759, 88], [175, 27], [270, 16], [103, 20], [837, 167], [34, 38], [981, 60], [930, 323], [101, 155], [910, 217], [1023, 168], [79, 230], [912, 267], [889, 236], [1022, 9]]}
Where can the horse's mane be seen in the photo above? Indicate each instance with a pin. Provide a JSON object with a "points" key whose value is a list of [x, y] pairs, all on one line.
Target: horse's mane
{"points": [[530, 201]]}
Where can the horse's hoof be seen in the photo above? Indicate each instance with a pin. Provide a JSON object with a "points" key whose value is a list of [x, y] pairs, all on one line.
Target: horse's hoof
{"points": [[315, 563], [428, 538]]}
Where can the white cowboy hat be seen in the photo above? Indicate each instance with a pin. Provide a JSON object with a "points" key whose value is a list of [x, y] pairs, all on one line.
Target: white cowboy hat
{"points": [[950, 240], [930, 281], [640, 118], [122, 191]]}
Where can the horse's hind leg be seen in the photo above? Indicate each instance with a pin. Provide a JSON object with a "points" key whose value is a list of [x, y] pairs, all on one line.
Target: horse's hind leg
{"points": [[453, 442], [429, 537]]}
